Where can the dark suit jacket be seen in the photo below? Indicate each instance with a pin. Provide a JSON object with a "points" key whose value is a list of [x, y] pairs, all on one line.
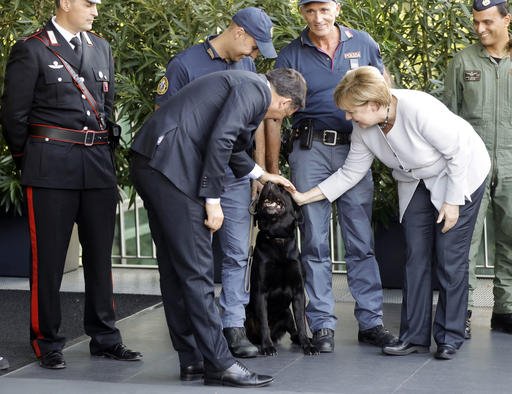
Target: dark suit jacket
{"points": [[206, 126], [39, 90]]}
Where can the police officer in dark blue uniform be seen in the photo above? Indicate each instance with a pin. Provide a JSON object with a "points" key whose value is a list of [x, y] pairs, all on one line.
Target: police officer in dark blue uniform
{"points": [[178, 168], [57, 134], [323, 53], [234, 49]]}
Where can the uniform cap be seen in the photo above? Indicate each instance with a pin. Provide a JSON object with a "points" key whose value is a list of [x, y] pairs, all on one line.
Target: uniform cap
{"points": [[302, 2], [259, 26], [480, 5]]}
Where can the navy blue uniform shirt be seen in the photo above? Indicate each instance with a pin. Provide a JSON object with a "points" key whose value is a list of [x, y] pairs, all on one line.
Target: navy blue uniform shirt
{"points": [[192, 63], [322, 74]]}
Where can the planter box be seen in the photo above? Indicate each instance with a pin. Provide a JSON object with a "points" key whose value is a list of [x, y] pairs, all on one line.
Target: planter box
{"points": [[15, 247]]}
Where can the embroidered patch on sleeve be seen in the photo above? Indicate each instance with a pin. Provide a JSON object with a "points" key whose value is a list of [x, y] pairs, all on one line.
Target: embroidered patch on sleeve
{"points": [[163, 86]]}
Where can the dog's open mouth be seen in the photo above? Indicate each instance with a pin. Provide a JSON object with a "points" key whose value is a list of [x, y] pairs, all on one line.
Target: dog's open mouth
{"points": [[273, 207]]}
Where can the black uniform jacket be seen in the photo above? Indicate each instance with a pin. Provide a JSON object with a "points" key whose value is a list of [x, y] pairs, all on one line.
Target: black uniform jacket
{"points": [[39, 90], [207, 125]]}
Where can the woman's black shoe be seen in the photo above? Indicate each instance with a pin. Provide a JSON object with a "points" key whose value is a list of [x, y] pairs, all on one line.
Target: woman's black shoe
{"points": [[404, 348]]}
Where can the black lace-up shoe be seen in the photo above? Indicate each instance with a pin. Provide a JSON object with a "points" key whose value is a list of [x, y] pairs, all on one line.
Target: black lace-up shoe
{"points": [[119, 352], [377, 336], [52, 360], [323, 340], [192, 372], [238, 344], [236, 376], [445, 352]]}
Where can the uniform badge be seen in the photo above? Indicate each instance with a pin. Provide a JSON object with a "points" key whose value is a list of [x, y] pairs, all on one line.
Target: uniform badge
{"points": [[210, 53], [485, 3], [105, 86], [163, 86], [354, 63], [472, 75], [55, 65]]}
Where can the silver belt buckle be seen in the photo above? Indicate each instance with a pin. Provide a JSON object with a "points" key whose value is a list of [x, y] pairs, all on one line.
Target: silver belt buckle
{"points": [[326, 135], [89, 141]]}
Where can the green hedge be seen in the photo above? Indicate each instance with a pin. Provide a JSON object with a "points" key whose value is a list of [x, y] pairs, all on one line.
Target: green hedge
{"points": [[417, 39]]}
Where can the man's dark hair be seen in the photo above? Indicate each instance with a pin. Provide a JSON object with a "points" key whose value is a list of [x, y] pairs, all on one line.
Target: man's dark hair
{"points": [[290, 84], [503, 9]]}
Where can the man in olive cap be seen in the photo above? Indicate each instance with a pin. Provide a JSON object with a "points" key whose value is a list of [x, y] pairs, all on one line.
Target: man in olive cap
{"points": [[478, 87]]}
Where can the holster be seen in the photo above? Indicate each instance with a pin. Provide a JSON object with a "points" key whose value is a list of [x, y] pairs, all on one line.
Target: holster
{"points": [[114, 134], [305, 134]]}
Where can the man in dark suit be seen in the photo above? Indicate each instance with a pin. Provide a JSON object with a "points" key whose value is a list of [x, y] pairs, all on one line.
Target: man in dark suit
{"points": [[178, 167], [58, 137]]}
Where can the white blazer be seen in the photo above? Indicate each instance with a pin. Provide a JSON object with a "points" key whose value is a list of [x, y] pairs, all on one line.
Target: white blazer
{"points": [[427, 142]]}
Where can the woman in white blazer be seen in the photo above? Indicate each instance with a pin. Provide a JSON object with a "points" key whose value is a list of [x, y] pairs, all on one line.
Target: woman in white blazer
{"points": [[440, 165]]}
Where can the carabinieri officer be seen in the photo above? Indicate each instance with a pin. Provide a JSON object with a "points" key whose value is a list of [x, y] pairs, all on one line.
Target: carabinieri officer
{"points": [[58, 137]]}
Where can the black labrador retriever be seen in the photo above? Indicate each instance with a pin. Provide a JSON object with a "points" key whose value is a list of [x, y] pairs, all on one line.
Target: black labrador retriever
{"points": [[277, 276]]}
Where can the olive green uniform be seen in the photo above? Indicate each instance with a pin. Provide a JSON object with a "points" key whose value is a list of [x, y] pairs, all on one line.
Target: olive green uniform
{"points": [[479, 89]]}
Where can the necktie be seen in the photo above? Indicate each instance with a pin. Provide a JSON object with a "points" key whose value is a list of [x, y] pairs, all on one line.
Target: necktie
{"points": [[78, 47]]}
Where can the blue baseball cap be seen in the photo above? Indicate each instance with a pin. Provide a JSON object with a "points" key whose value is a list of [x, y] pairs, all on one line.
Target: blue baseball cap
{"points": [[258, 25], [302, 2], [480, 5]]}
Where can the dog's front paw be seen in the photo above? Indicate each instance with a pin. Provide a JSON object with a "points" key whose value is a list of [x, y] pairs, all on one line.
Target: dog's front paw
{"points": [[309, 349], [268, 351]]}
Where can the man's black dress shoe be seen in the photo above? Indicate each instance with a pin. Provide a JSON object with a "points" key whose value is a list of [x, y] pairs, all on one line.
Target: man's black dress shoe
{"points": [[323, 340], [467, 328], [404, 348], [119, 352], [236, 376], [192, 372], [445, 352], [377, 336], [238, 344], [52, 360], [502, 322]]}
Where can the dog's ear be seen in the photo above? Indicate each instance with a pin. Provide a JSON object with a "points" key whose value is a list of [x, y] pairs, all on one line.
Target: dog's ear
{"points": [[297, 212]]}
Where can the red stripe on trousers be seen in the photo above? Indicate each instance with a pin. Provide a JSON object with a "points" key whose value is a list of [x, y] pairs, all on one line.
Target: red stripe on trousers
{"points": [[34, 294]]}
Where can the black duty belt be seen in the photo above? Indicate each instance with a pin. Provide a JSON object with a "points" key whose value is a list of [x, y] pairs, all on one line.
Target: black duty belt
{"points": [[82, 137], [331, 137]]}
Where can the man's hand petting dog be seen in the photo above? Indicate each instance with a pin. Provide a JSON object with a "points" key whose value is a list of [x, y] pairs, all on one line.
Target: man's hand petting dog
{"points": [[278, 180], [277, 276]]}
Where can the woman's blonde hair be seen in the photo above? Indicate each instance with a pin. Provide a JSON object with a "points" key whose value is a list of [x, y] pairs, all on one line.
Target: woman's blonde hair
{"points": [[360, 86]]}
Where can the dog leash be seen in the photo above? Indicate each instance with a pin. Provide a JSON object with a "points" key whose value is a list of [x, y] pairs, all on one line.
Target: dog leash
{"points": [[248, 268]]}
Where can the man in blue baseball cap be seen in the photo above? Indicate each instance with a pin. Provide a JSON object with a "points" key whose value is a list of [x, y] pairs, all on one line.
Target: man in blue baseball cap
{"points": [[249, 33], [477, 87], [259, 26]]}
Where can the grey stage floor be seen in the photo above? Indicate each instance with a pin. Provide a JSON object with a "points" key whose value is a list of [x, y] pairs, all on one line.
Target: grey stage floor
{"points": [[482, 365]]}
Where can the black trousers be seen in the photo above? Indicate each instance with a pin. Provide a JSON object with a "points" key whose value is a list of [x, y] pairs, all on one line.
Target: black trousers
{"points": [[425, 240], [51, 215], [185, 262]]}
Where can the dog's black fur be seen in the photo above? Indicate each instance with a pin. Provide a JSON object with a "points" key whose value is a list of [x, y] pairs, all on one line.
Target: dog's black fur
{"points": [[277, 276]]}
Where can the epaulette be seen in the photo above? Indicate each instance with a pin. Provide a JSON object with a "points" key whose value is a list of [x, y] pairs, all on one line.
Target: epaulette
{"points": [[35, 34]]}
